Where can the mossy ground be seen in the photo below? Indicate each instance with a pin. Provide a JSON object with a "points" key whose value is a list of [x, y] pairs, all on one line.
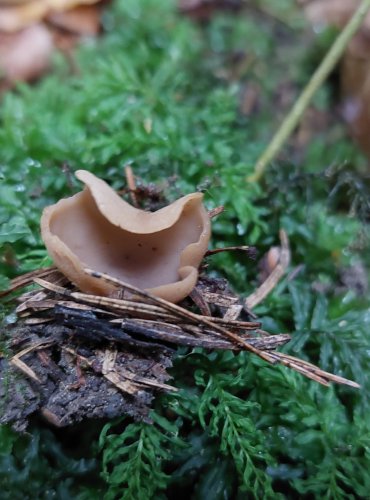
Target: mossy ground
{"points": [[164, 95]]}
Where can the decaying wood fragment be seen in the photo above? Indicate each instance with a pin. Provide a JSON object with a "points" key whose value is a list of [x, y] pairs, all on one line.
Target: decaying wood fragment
{"points": [[77, 355], [216, 211]]}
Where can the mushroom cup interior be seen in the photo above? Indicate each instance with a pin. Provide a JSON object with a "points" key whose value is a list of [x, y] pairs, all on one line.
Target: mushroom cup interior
{"points": [[144, 260]]}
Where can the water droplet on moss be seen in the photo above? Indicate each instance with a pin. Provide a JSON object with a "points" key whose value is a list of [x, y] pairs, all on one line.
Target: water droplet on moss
{"points": [[10, 319]]}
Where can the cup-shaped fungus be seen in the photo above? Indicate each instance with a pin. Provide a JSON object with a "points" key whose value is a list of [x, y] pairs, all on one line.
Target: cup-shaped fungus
{"points": [[156, 251]]}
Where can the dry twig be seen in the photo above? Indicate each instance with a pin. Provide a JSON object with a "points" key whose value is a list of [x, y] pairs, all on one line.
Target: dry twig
{"points": [[277, 273], [131, 185], [181, 312], [296, 364], [216, 211], [21, 365], [141, 315], [317, 79], [27, 278]]}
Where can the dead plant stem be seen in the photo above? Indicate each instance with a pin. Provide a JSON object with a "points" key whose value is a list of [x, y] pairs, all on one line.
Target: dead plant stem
{"points": [[317, 79], [183, 313]]}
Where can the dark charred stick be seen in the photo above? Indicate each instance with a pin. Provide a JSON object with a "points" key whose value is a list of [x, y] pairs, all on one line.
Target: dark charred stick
{"points": [[183, 313], [176, 335], [172, 335], [136, 308], [127, 306], [271, 357], [151, 319], [132, 332], [250, 251], [95, 330]]}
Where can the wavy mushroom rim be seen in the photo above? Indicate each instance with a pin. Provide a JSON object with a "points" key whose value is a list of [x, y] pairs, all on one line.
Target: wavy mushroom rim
{"points": [[73, 266], [137, 221]]}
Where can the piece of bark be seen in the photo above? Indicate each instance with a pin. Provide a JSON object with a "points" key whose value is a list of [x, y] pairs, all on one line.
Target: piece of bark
{"points": [[60, 397]]}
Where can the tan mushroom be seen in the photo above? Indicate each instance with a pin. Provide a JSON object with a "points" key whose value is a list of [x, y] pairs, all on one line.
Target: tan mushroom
{"points": [[156, 251]]}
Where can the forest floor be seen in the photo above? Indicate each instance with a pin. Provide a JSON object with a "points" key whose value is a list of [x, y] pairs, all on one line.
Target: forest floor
{"points": [[190, 103]]}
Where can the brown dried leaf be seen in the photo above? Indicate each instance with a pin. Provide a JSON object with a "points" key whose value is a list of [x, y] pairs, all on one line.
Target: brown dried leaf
{"points": [[330, 12], [15, 16], [83, 20], [26, 54], [355, 66], [29, 31]]}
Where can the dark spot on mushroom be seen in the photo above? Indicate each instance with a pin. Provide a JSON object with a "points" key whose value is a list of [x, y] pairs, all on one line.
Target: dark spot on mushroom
{"points": [[154, 249], [139, 245]]}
